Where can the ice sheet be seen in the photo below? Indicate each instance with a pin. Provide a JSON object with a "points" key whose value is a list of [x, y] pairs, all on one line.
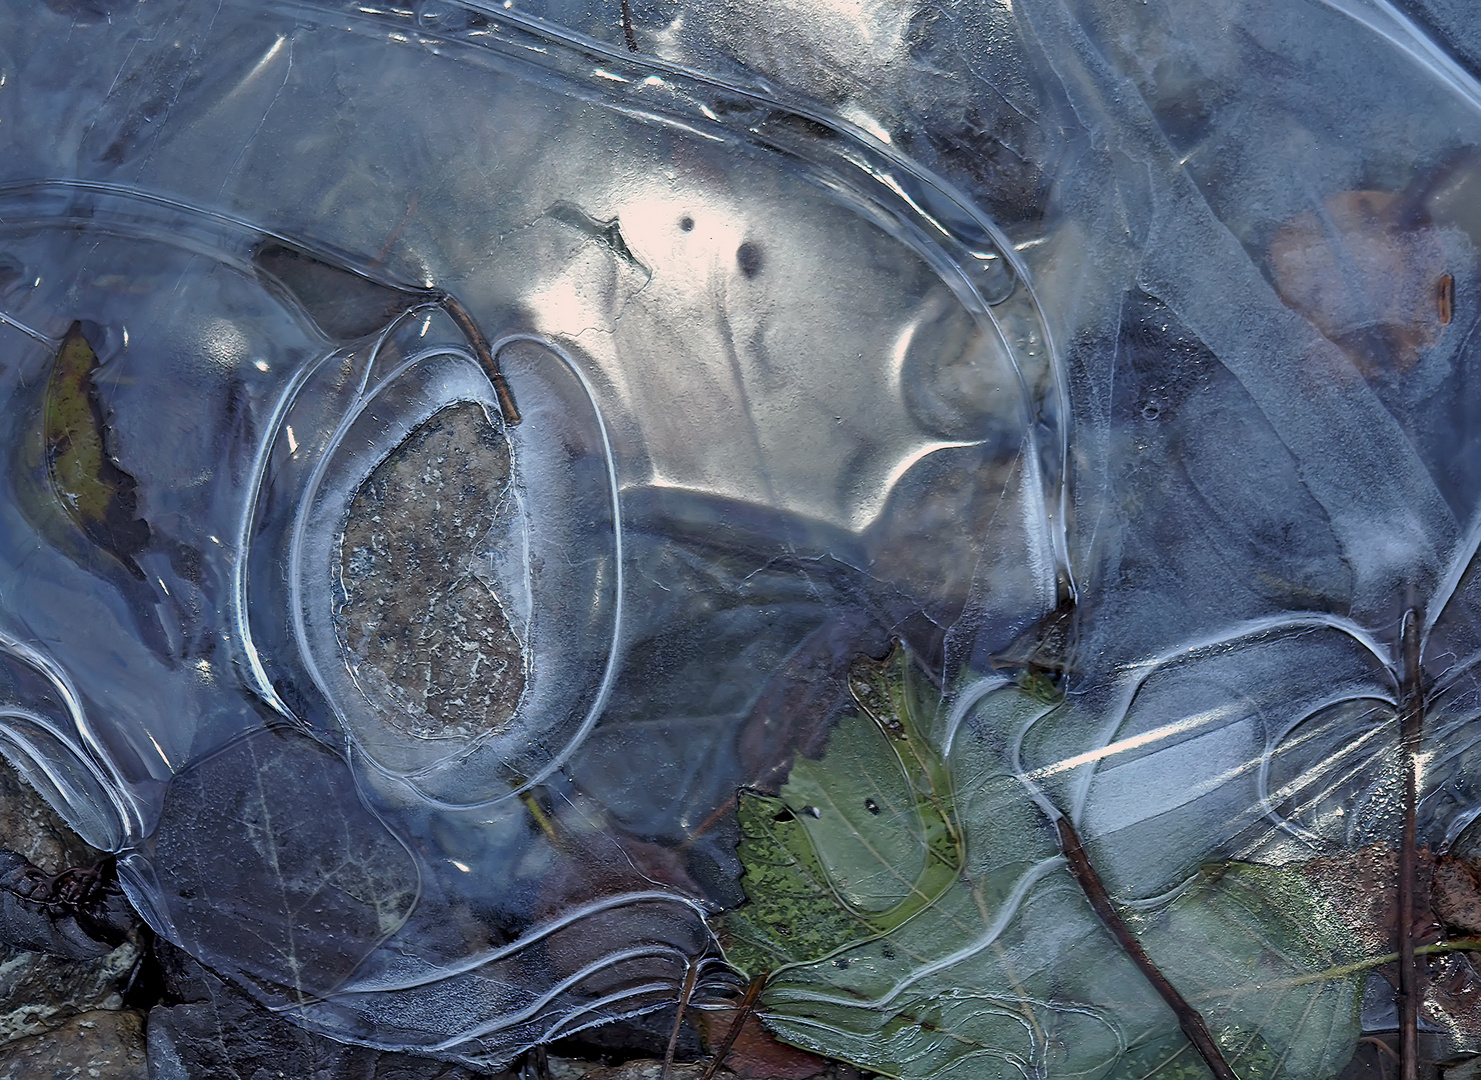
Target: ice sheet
{"points": [[452, 450]]}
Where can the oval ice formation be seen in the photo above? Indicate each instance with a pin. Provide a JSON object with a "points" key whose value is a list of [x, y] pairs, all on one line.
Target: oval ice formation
{"points": [[432, 601]]}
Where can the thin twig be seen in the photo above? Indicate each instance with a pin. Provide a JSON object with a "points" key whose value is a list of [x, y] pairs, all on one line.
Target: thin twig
{"points": [[1439, 948], [684, 996], [411, 208], [1189, 1018], [1385, 1047], [627, 27], [742, 1013], [1411, 717], [481, 349], [709, 823]]}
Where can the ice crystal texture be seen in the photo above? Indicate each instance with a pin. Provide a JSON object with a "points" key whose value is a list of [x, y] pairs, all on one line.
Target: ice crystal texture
{"points": [[453, 451]]}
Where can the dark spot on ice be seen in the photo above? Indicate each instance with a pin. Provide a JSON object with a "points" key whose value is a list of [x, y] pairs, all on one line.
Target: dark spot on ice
{"points": [[11, 271], [1151, 411], [86, 11], [841, 962], [871, 806], [887, 951], [686, 223], [748, 258], [783, 815], [812, 811]]}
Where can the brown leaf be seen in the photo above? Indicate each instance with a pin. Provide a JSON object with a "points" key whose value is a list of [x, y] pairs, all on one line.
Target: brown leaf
{"points": [[1457, 894], [758, 1053], [96, 494], [1367, 278]]}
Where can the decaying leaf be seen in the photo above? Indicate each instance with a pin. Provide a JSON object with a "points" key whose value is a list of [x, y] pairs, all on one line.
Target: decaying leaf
{"points": [[98, 495], [1369, 280], [1006, 969], [876, 807], [758, 1053], [301, 882]]}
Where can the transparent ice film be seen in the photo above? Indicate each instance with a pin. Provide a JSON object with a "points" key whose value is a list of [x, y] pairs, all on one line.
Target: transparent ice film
{"points": [[516, 518]]}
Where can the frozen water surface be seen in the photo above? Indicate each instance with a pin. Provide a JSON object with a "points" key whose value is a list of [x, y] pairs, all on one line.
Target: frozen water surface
{"points": [[451, 450]]}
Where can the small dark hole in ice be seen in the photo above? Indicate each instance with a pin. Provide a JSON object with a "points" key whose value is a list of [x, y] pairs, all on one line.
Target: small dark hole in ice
{"points": [[871, 806], [748, 257], [887, 951], [784, 815], [841, 962], [1151, 411], [686, 223], [812, 811]]}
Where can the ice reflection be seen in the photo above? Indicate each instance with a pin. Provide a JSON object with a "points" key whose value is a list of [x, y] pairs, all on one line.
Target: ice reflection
{"points": [[496, 519]]}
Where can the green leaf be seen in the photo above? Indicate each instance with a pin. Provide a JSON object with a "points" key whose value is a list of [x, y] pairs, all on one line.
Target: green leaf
{"points": [[1172, 1057], [96, 494], [1264, 956], [1006, 970], [877, 804], [792, 915]]}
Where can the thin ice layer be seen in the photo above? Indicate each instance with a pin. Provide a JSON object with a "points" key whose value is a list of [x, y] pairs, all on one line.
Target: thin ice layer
{"points": [[753, 355]]}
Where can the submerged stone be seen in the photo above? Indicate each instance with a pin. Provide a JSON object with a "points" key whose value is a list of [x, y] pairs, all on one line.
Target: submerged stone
{"points": [[422, 631]]}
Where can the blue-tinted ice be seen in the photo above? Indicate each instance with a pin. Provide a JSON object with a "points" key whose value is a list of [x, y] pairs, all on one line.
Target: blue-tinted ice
{"points": [[448, 453], [410, 551]]}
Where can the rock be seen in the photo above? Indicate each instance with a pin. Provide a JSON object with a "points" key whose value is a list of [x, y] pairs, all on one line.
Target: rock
{"points": [[40, 992], [218, 1031], [652, 1069], [29, 826], [97, 1045], [79, 915], [643, 1069]]}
